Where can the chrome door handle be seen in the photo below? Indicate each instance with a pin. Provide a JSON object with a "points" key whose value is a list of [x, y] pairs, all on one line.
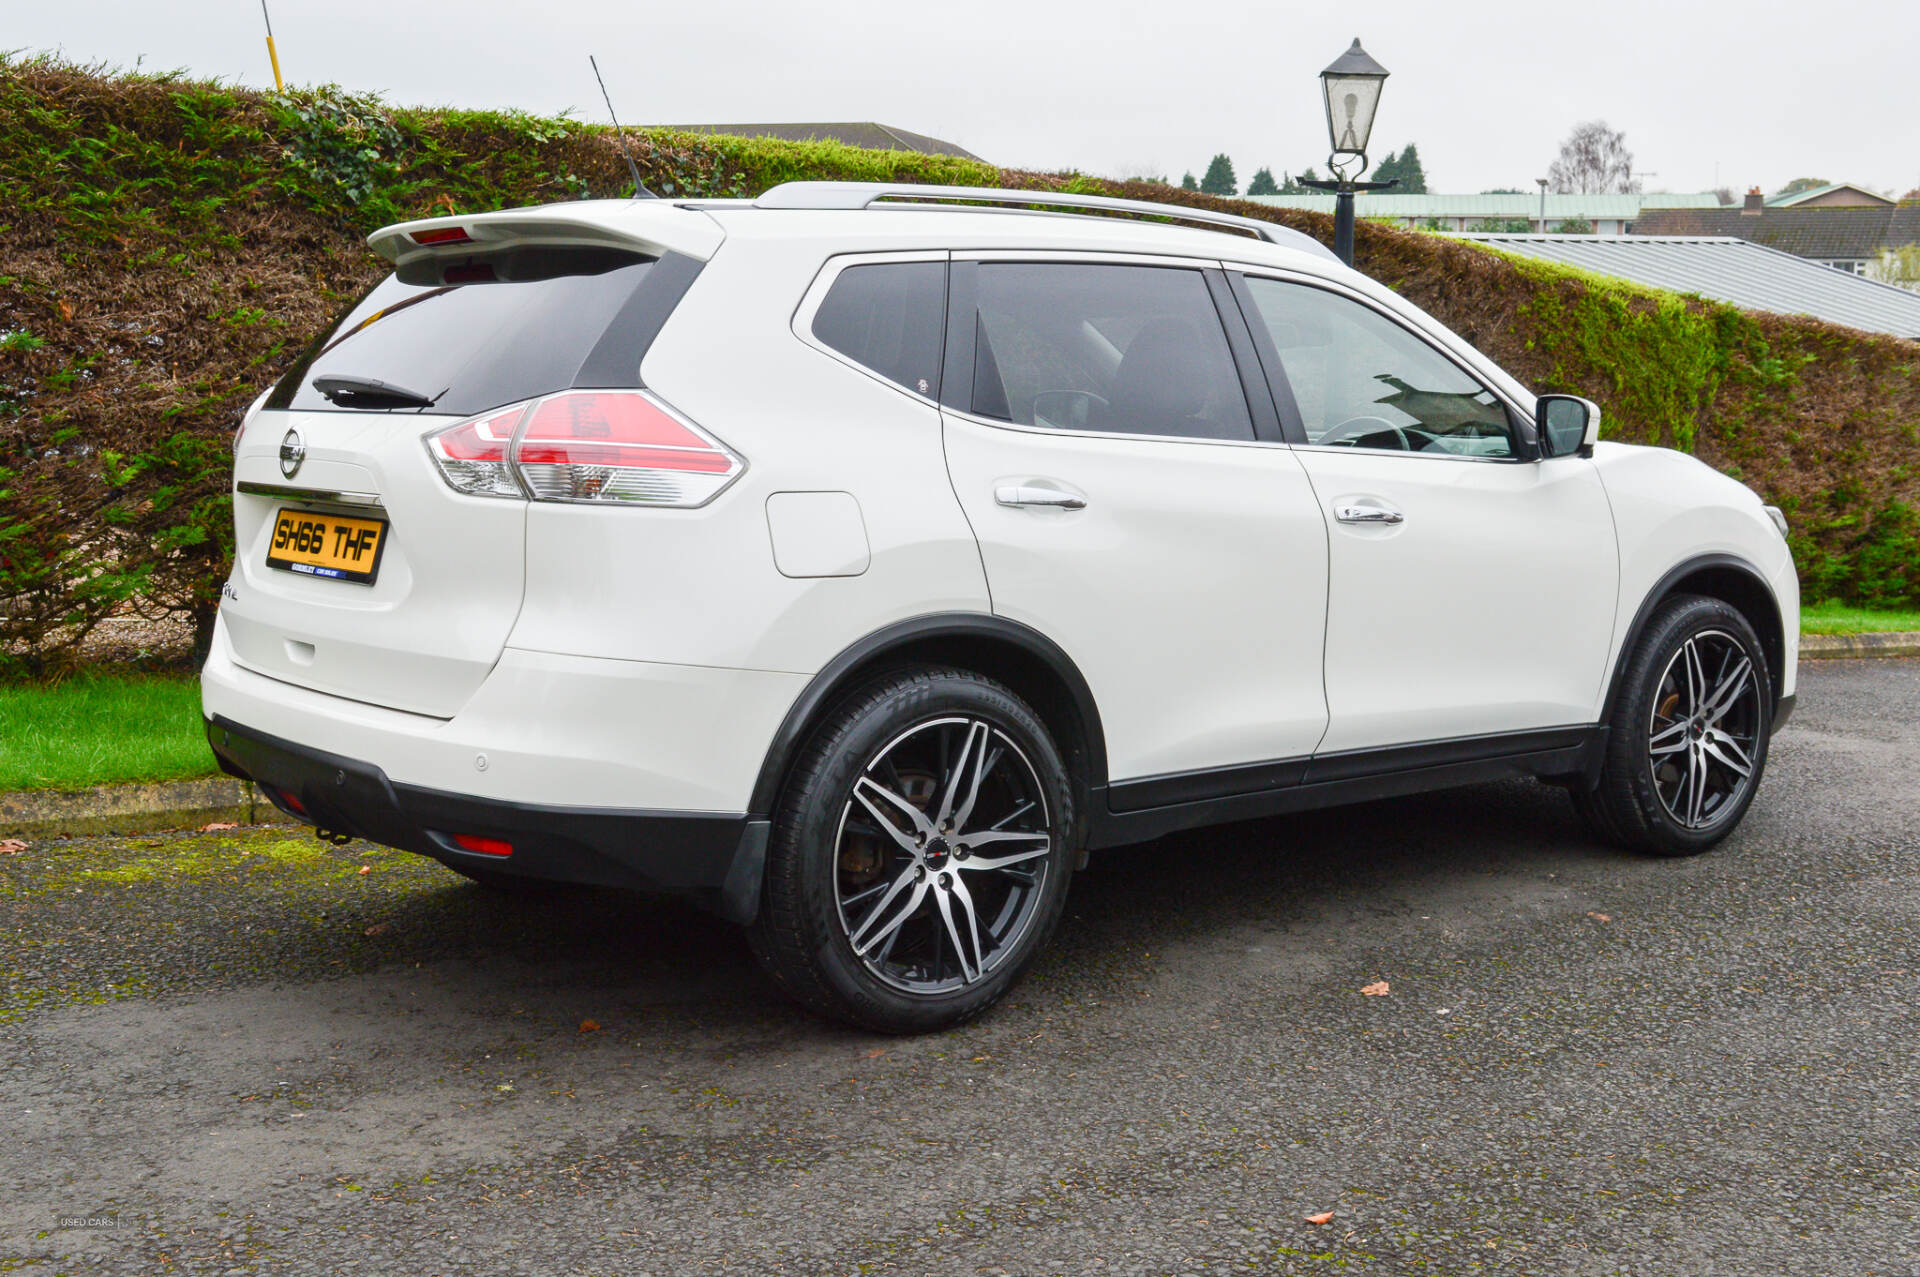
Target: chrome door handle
{"points": [[1024, 494], [1367, 514]]}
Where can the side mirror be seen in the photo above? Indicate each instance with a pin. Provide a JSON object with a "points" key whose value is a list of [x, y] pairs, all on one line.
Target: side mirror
{"points": [[1567, 424], [1066, 409]]}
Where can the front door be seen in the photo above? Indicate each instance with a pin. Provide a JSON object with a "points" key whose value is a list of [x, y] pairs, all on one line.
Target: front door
{"points": [[1471, 592], [1100, 441]]}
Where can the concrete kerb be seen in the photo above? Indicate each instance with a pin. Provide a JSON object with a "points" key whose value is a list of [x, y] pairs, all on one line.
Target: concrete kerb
{"points": [[186, 804], [117, 809], [1825, 647]]}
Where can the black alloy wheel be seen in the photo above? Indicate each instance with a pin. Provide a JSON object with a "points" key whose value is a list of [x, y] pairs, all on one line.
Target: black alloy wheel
{"points": [[921, 854], [1689, 733]]}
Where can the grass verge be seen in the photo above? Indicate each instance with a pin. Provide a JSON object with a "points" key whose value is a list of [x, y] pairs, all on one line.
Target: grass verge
{"points": [[98, 729], [1838, 618]]}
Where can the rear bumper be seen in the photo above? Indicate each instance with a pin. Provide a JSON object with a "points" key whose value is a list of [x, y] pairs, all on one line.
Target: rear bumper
{"points": [[712, 858]]}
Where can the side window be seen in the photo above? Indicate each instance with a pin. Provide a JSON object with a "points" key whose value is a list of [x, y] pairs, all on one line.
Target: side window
{"points": [[1362, 381], [890, 317], [1127, 349]]}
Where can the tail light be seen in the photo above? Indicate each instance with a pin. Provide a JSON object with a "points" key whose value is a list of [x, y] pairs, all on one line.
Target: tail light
{"points": [[602, 447], [472, 456]]}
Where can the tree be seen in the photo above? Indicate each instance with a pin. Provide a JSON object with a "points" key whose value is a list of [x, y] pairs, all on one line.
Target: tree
{"points": [[1291, 185], [1799, 184], [1724, 194], [1263, 183], [1594, 160], [1573, 226], [1504, 190], [1405, 169], [1150, 180], [1188, 184], [1220, 179], [1898, 266], [1502, 226]]}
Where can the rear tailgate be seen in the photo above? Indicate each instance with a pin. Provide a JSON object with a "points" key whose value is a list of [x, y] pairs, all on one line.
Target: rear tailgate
{"points": [[446, 585], [359, 569]]}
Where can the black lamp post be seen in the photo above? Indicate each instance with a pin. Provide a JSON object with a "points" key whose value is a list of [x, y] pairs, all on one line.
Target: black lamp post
{"points": [[1351, 87]]}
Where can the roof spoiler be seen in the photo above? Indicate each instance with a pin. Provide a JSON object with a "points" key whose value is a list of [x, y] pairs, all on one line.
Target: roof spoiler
{"points": [[859, 195], [643, 226]]}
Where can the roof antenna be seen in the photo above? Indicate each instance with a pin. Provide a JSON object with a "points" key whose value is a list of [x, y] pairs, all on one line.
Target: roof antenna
{"points": [[640, 192]]}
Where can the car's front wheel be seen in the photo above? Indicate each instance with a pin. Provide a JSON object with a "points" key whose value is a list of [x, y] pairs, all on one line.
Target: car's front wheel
{"points": [[1688, 738], [920, 854]]}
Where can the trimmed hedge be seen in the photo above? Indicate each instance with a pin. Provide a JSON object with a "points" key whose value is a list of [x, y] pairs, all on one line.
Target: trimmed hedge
{"points": [[167, 246]]}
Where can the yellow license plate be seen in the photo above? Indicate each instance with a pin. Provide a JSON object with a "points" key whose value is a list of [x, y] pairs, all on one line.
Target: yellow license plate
{"points": [[327, 545]]}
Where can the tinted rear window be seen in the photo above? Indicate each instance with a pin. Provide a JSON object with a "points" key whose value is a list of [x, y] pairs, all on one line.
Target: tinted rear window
{"points": [[477, 332], [890, 317]]}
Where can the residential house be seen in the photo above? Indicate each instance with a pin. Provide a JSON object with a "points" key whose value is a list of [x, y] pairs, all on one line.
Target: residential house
{"points": [[1848, 237], [1832, 195]]}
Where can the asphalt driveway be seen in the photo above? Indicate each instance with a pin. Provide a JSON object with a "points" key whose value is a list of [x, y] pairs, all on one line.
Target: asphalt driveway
{"points": [[238, 1052]]}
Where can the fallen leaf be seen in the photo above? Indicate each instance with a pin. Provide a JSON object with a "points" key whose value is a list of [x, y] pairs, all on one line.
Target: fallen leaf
{"points": [[876, 1052], [66, 311], [218, 825], [1378, 989], [1324, 1217], [589, 1026], [11, 846], [366, 869], [1599, 917], [379, 928]]}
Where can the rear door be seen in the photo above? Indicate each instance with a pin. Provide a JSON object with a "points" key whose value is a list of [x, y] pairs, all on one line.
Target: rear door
{"points": [[1471, 590], [358, 570], [1100, 439]]}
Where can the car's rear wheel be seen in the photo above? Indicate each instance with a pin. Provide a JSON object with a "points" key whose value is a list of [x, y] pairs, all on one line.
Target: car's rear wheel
{"points": [[1688, 739], [920, 854]]}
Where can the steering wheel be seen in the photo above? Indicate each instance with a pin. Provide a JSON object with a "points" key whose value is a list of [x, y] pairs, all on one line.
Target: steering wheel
{"points": [[1350, 432]]}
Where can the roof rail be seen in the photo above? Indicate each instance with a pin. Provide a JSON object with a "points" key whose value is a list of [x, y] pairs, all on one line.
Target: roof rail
{"points": [[858, 195]]}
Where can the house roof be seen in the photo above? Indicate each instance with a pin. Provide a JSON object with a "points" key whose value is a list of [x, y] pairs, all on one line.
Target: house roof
{"points": [[1829, 234], [1815, 192], [873, 137], [1559, 207], [1731, 270]]}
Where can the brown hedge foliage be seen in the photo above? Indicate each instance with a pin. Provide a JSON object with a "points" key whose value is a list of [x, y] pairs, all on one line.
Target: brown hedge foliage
{"points": [[166, 248]]}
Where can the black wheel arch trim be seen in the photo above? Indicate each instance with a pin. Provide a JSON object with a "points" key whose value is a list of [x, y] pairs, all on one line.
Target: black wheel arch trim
{"points": [[1665, 588], [840, 673]]}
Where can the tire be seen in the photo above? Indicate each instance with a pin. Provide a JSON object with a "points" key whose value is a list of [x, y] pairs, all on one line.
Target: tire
{"points": [[1696, 706], [879, 907]]}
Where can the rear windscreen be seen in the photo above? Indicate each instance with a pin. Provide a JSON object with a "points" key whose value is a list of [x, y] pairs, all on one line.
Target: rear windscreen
{"points": [[472, 333]]}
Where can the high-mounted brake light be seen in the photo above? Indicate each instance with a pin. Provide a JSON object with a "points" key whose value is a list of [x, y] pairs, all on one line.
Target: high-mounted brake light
{"points": [[612, 447], [442, 235]]}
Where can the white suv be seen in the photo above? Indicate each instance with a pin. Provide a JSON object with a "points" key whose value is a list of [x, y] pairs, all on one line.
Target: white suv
{"points": [[855, 559]]}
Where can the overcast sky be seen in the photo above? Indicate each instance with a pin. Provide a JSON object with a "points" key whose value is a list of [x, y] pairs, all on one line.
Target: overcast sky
{"points": [[1708, 92]]}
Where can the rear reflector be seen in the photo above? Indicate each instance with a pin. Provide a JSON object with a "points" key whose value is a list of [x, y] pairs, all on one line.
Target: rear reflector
{"points": [[607, 447], [485, 846], [443, 235]]}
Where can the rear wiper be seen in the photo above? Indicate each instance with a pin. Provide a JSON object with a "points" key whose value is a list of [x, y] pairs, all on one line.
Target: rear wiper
{"points": [[368, 392]]}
